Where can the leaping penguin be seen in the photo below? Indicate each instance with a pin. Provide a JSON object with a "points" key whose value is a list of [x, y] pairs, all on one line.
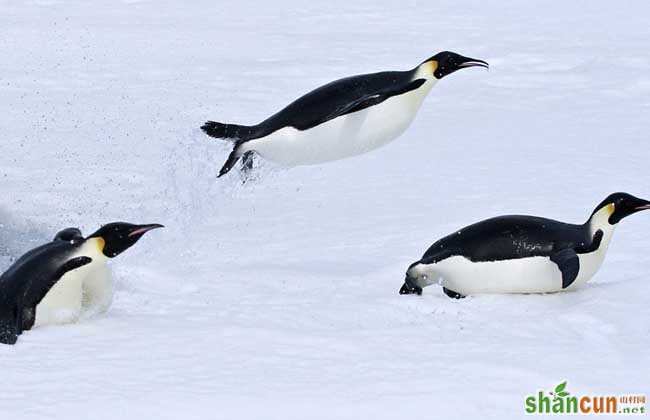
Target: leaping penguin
{"points": [[343, 118], [521, 254], [52, 282]]}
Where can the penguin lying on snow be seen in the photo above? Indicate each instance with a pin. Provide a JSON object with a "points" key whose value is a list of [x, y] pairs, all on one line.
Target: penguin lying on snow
{"points": [[344, 118], [51, 283], [521, 254]]}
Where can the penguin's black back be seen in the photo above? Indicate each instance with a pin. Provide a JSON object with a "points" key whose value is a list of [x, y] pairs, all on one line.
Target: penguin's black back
{"points": [[510, 237], [338, 98]]}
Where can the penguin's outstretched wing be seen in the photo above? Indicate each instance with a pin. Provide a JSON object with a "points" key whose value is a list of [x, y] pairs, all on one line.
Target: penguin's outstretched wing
{"points": [[338, 98], [594, 245], [569, 264], [369, 100]]}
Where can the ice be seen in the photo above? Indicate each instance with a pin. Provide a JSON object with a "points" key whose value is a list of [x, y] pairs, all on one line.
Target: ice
{"points": [[278, 299]]}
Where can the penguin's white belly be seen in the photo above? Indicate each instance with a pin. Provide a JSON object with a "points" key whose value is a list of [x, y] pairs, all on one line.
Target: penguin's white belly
{"points": [[86, 290], [97, 290], [589, 265], [523, 275], [348, 135]]}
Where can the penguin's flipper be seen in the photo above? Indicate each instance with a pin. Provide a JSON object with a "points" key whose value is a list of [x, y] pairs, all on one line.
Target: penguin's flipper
{"points": [[384, 94], [452, 294], [372, 99], [39, 288], [569, 265], [594, 245]]}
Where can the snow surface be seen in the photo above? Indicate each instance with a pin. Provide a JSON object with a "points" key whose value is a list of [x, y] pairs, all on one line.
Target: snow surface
{"points": [[278, 299]]}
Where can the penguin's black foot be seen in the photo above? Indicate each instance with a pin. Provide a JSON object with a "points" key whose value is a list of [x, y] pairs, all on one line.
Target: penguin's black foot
{"points": [[247, 162], [408, 290], [452, 294]]}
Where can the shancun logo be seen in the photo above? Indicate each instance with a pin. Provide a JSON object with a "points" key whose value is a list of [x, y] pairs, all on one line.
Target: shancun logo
{"points": [[561, 401]]}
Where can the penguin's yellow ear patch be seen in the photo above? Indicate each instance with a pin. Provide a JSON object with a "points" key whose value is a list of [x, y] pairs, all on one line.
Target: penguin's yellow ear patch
{"points": [[610, 208], [101, 243], [433, 65]]}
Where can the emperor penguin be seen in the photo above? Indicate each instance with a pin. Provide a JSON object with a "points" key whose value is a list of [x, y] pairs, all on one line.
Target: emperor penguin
{"points": [[344, 118], [521, 254], [89, 289], [29, 279]]}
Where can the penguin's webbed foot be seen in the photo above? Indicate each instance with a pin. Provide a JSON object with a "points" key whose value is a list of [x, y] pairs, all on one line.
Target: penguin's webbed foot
{"points": [[247, 162], [452, 294], [408, 290]]}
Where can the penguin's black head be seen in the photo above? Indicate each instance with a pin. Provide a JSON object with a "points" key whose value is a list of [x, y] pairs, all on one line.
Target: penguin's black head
{"points": [[120, 236], [447, 62], [69, 235], [412, 281], [620, 205]]}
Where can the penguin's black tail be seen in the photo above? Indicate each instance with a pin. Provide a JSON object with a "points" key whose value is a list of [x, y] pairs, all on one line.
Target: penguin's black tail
{"points": [[228, 131]]}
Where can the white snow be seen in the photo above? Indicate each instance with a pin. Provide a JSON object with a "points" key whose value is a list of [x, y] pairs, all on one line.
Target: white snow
{"points": [[278, 299]]}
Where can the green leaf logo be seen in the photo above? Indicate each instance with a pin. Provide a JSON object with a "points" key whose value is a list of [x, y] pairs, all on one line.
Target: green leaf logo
{"points": [[560, 390]]}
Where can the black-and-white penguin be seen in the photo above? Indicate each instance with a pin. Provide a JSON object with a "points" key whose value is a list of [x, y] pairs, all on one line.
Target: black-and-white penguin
{"points": [[521, 254], [343, 118], [53, 282]]}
